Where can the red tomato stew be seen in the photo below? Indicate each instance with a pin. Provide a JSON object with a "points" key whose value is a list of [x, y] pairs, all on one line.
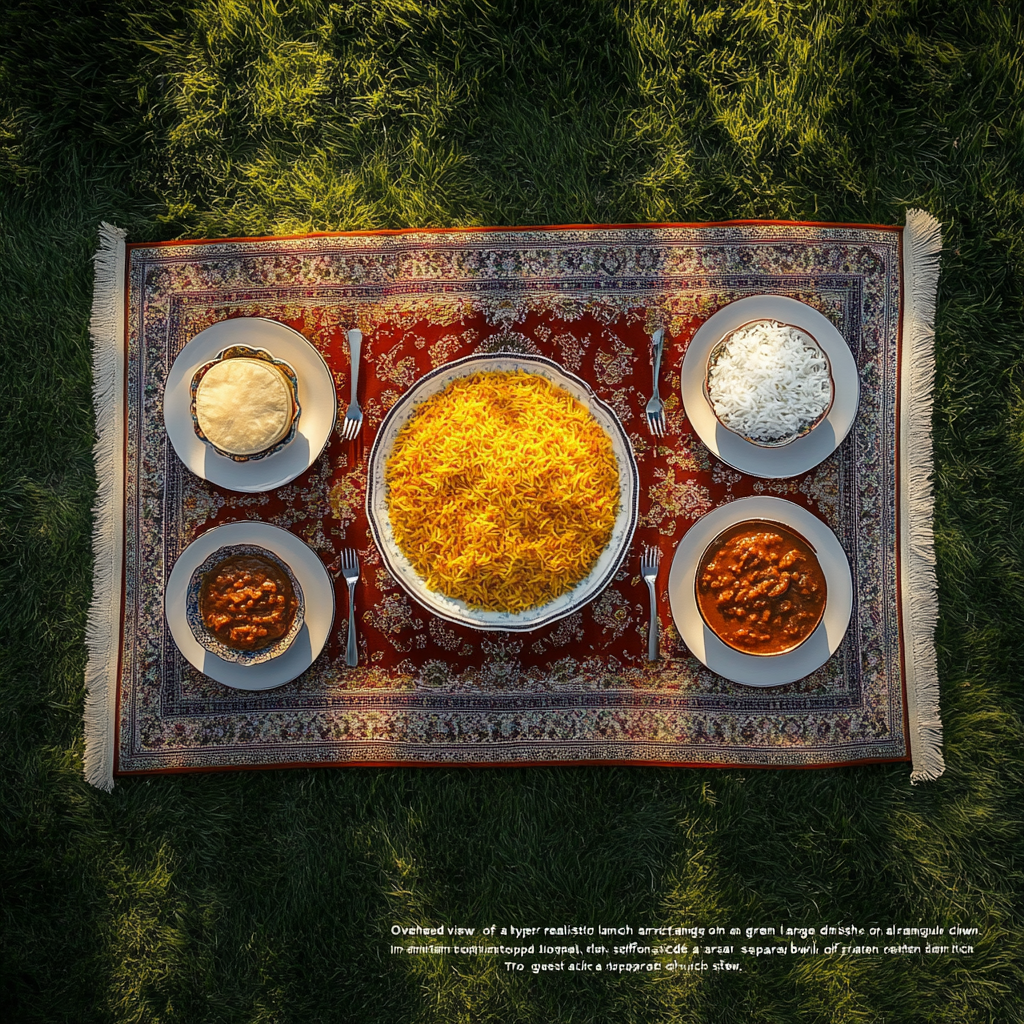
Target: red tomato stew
{"points": [[247, 602], [760, 588]]}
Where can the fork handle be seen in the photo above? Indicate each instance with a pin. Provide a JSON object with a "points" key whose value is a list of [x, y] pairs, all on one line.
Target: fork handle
{"points": [[355, 341], [652, 632], [659, 347], [351, 649]]}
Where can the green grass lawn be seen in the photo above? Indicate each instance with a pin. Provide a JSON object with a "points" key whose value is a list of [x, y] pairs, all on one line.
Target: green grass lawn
{"points": [[269, 896]]}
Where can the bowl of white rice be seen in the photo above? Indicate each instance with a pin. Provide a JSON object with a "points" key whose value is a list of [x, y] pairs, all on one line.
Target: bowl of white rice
{"points": [[769, 382]]}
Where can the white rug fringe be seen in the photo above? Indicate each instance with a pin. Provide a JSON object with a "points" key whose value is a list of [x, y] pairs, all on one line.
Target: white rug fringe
{"points": [[922, 244], [104, 628]]}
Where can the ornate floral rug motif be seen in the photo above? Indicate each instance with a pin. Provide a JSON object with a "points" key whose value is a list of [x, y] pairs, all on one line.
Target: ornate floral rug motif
{"points": [[582, 690]]}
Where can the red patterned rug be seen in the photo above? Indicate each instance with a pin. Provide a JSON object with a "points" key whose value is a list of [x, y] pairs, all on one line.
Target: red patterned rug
{"points": [[579, 691]]}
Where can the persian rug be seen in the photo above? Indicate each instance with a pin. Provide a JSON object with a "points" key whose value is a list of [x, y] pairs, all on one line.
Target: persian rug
{"points": [[580, 691]]}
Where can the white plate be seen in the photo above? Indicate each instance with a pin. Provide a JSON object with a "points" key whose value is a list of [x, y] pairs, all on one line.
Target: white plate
{"points": [[458, 611], [805, 452], [317, 400], [316, 588], [749, 669]]}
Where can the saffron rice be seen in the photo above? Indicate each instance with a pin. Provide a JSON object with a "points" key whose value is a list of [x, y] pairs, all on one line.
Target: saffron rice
{"points": [[502, 491]]}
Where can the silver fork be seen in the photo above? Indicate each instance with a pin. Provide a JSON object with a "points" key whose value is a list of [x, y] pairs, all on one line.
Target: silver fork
{"points": [[656, 407], [649, 571], [354, 415], [350, 571]]}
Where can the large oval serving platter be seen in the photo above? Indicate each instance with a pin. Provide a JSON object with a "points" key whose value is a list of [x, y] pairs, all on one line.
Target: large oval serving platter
{"points": [[805, 452], [401, 568], [752, 669], [317, 400], [308, 569]]}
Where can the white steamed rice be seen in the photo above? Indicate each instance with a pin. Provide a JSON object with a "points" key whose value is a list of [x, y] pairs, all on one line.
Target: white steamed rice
{"points": [[771, 381]]}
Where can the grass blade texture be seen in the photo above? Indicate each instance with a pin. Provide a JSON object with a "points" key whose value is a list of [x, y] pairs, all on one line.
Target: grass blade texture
{"points": [[270, 896]]}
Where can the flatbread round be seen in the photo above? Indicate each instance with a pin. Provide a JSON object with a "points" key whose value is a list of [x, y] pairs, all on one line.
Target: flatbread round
{"points": [[244, 406]]}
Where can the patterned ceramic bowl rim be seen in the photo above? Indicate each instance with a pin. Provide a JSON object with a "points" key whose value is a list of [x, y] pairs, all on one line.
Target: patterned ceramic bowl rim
{"points": [[245, 351], [736, 528], [715, 354], [399, 565], [210, 642]]}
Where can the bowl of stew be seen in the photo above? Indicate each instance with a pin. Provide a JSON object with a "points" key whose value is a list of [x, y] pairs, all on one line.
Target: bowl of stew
{"points": [[244, 604], [760, 588]]}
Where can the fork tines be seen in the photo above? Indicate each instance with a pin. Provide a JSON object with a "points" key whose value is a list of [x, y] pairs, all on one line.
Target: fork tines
{"points": [[650, 559], [656, 423], [350, 428]]}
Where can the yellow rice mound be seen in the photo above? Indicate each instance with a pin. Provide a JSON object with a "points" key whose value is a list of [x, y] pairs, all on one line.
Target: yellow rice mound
{"points": [[502, 491]]}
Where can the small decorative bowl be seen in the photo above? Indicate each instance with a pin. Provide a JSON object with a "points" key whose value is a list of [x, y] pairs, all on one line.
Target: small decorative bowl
{"points": [[715, 355], [249, 353], [737, 529], [194, 617]]}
